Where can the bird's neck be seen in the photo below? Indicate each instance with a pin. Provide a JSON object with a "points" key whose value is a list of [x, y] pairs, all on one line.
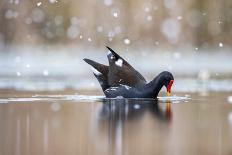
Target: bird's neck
{"points": [[153, 88]]}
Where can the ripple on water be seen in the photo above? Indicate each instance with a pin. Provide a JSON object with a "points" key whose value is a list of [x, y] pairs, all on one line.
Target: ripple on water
{"points": [[83, 98]]}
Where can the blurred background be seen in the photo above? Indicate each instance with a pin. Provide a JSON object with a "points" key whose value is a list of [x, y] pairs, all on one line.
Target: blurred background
{"points": [[167, 23], [50, 88], [47, 39]]}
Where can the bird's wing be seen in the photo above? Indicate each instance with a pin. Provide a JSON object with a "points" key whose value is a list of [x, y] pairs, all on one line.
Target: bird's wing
{"points": [[121, 72], [100, 71]]}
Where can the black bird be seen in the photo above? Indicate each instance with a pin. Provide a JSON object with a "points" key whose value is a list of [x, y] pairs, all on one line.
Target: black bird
{"points": [[120, 79]]}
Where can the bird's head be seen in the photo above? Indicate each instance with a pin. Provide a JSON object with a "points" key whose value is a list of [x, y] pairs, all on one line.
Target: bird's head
{"points": [[167, 80]]}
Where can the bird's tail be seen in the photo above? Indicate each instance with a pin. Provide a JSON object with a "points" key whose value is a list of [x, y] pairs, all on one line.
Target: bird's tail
{"points": [[100, 71]]}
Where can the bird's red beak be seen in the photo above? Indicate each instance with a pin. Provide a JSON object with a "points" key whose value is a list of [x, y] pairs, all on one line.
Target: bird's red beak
{"points": [[169, 87]]}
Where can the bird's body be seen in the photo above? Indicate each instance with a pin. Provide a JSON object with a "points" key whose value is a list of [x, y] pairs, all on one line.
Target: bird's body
{"points": [[121, 79]]}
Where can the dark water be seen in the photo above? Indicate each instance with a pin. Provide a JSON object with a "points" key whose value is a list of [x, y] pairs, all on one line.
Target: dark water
{"points": [[72, 125]]}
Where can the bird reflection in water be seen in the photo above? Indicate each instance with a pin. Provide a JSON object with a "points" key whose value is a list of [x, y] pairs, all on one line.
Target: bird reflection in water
{"points": [[131, 109], [123, 119]]}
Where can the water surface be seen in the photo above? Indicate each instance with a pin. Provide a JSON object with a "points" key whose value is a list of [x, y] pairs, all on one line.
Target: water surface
{"points": [[66, 123]]}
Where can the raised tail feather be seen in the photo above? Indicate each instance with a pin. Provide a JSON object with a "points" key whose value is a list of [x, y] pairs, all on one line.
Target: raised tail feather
{"points": [[114, 53], [102, 73]]}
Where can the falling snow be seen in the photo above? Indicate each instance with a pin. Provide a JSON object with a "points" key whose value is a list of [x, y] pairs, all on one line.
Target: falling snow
{"points": [[9, 14], [108, 2], [146, 9], [149, 18], [45, 72], [89, 39], [220, 44], [28, 65], [115, 14], [53, 1], [179, 17], [171, 29], [127, 41], [18, 73], [136, 106], [72, 32], [229, 99], [39, 3]]}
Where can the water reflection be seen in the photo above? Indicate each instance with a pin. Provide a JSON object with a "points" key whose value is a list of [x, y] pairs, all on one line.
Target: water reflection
{"points": [[116, 127], [128, 110], [125, 121]]}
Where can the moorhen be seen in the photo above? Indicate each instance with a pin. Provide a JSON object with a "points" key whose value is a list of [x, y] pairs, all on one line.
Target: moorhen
{"points": [[120, 79]]}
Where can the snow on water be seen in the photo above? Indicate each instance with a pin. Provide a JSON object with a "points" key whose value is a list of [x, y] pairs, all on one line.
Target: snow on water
{"points": [[83, 98]]}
